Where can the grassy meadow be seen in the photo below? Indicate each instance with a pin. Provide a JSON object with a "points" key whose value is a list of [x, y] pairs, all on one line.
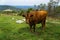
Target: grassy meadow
{"points": [[10, 30]]}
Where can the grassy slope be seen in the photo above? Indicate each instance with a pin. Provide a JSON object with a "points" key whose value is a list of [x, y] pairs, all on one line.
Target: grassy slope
{"points": [[9, 30]]}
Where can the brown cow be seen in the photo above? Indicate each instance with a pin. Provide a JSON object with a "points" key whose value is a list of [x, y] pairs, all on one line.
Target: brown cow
{"points": [[36, 17]]}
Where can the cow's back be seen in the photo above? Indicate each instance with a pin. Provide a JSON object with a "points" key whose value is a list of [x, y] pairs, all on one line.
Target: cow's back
{"points": [[38, 15], [41, 14]]}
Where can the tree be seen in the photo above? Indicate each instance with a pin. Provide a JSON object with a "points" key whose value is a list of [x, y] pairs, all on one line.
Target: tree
{"points": [[20, 12], [49, 7], [52, 6], [57, 9], [41, 7], [35, 7], [29, 9]]}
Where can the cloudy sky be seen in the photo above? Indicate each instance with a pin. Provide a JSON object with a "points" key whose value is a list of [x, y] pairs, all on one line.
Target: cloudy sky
{"points": [[22, 2]]}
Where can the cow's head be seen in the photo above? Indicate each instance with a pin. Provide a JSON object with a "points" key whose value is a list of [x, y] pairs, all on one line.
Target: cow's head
{"points": [[28, 17]]}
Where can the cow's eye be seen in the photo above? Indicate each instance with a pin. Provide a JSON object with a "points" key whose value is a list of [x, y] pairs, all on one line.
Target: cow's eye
{"points": [[31, 16]]}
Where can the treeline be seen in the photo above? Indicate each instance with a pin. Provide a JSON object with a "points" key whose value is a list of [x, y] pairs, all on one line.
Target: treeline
{"points": [[52, 7]]}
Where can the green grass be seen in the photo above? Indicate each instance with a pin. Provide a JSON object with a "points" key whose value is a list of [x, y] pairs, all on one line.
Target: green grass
{"points": [[10, 30]]}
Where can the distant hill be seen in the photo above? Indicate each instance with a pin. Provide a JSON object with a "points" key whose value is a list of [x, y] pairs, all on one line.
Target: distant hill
{"points": [[24, 7], [4, 7]]}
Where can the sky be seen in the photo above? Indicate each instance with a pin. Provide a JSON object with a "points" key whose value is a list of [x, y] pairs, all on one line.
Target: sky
{"points": [[22, 2]]}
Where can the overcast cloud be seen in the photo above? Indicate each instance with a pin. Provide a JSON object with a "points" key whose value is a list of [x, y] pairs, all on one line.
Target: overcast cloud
{"points": [[22, 2]]}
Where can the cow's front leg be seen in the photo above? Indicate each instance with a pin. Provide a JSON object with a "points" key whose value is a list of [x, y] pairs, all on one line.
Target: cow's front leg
{"points": [[34, 27], [31, 28]]}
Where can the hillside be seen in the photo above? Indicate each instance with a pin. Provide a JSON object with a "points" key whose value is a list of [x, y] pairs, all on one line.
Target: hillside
{"points": [[10, 30]]}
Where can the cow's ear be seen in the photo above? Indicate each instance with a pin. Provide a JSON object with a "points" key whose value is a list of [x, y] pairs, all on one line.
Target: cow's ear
{"points": [[31, 16], [23, 15]]}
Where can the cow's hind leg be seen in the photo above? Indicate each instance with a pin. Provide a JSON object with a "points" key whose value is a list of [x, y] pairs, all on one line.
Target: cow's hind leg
{"points": [[43, 24]]}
